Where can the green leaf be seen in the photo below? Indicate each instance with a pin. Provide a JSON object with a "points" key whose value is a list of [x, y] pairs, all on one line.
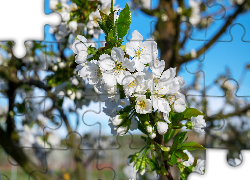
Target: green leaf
{"points": [[176, 117], [195, 161], [124, 22], [181, 136], [103, 27], [178, 140], [104, 17], [141, 128], [173, 160], [192, 112], [170, 134], [190, 146], [181, 154]]}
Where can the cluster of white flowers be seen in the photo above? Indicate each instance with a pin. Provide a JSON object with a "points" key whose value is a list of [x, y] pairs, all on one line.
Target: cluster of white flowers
{"points": [[134, 75], [68, 26], [65, 13], [32, 136]]}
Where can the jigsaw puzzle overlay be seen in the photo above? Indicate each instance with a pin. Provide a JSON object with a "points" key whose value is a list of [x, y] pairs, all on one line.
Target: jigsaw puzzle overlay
{"points": [[59, 114]]}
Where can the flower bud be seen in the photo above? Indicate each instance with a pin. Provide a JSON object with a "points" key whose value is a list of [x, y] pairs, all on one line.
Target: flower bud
{"points": [[149, 129], [117, 120], [146, 123], [137, 164], [143, 167], [189, 125], [152, 135], [122, 130], [162, 127]]}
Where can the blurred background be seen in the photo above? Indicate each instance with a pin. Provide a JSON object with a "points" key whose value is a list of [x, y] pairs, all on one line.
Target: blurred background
{"points": [[52, 124]]}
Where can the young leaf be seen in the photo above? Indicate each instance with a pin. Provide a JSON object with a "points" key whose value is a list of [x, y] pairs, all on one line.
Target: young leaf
{"points": [[170, 134], [104, 17], [124, 22], [190, 146], [164, 148], [192, 112]]}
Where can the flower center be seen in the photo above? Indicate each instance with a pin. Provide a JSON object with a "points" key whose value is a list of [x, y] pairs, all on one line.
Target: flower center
{"points": [[156, 81], [119, 66], [98, 72], [95, 19], [142, 104], [132, 84], [139, 52]]}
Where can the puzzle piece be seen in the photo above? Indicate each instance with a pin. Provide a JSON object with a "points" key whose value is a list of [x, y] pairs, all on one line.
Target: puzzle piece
{"points": [[22, 23], [221, 169]]}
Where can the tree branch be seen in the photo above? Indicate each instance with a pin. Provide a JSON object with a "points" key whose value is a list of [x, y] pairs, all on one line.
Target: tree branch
{"points": [[235, 113], [216, 36]]}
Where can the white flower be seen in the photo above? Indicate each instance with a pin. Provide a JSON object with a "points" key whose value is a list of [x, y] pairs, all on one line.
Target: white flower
{"points": [[157, 67], [179, 105], [73, 25], [117, 120], [152, 135], [165, 116], [162, 127], [134, 83], [121, 130], [62, 65], [195, 17], [65, 16], [160, 103], [190, 160], [200, 166], [198, 124], [94, 72], [106, 63], [93, 19], [27, 136], [193, 53], [149, 129], [141, 52], [112, 127], [129, 172], [54, 140], [142, 172], [143, 105], [52, 4], [179, 10], [80, 48]]}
